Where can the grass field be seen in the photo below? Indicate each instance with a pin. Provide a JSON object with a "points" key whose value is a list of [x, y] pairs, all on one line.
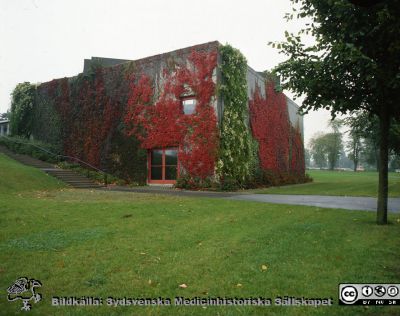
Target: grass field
{"points": [[342, 183], [100, 244]]}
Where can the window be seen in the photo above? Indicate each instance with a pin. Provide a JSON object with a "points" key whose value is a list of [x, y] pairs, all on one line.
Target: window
{"points": [[170, 164], [156, 164], [189, 106], [163, 165]]}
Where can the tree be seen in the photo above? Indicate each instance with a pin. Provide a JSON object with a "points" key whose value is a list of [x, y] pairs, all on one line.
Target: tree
{"points": [[365, 127], [318, 151], [345, 161], [354, 146], [334, 143], [5, 116], [352, 65], [395, 162], [307, 157], [370, 153], [23, 99], [327, 148]]}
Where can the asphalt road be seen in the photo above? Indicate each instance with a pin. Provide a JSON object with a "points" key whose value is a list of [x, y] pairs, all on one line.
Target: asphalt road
{"points": [[343, 202]]}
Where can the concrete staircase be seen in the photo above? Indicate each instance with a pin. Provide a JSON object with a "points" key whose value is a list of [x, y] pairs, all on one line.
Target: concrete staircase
{"points": [[70, 177]]}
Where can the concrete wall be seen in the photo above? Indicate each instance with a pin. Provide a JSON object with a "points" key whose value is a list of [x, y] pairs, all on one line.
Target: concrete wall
{"points": [[102, 61], [295, 118], [254, 79], [154, 66]]}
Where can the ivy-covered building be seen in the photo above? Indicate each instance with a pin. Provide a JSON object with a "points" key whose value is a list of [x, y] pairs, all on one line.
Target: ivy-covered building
{"points": [[198, 115]]}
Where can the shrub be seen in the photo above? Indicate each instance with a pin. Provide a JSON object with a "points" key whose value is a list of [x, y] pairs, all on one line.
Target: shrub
{"points": [[193, 183], [33, 148], [22, 103], [228, 184]]}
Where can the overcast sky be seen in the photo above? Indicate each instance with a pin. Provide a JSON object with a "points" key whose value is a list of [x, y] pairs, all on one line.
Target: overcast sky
{"points": [[46, 39]]}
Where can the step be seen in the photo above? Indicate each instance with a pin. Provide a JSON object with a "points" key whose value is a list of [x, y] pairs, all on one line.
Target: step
{"points": [[70, 177], [65, 173], [80, 185], [80, 182], [73, 178]]}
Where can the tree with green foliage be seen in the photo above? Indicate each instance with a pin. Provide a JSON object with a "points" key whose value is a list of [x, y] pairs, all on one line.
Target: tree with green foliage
{"points": [[354, 64], [334, 143], [318, 151], [327, 148], [394, 162], [365, 126], [23, 99], [354, 146]]}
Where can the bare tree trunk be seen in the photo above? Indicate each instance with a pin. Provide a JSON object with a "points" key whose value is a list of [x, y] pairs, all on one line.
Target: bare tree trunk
{"points": [[384, 124], [355, 154]]}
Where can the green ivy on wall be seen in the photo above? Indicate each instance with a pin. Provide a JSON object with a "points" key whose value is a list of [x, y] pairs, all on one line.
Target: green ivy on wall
{"points": [[237, 157], [46, 124]]}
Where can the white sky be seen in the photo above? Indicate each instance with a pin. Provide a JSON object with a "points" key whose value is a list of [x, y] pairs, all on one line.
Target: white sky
{"points": [[45, 39]]}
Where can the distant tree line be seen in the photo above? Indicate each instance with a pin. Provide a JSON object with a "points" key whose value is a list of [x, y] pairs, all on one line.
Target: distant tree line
{"points": [[361, 149]]}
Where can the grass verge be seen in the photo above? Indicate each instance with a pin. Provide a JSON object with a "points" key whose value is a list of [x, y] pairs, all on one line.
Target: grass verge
{"points": [[340, 183], [99, 244]]}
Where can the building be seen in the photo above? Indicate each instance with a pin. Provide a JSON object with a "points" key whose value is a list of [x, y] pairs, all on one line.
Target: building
{"points": [[4, 127], [198, 113]]}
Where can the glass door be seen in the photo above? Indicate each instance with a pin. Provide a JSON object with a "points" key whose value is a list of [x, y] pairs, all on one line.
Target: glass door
{"points": [[163, 165]]}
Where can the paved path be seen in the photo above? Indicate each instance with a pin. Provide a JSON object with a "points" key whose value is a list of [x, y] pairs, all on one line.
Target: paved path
{"points": [[343, 202]]}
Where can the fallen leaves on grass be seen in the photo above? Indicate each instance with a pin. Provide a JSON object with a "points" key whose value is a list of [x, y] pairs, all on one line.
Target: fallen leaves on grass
{"points": [[264, 267], [61, 264]]}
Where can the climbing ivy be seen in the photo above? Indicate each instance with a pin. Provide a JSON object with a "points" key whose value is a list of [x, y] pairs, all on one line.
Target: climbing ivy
{"points": [[159, 122], [237, 157]]}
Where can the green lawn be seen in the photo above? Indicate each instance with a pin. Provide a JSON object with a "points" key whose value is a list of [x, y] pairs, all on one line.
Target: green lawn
{"points": [[342, 183], [100, 244]]}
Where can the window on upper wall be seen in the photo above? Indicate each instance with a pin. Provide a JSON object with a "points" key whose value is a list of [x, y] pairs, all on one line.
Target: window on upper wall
{"points": [[189, 105]]}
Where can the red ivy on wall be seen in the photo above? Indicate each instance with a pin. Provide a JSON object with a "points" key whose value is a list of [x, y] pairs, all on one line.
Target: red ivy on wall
{"points": [[270, 126], [297, 163], [159, 121], [280, 145]]}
